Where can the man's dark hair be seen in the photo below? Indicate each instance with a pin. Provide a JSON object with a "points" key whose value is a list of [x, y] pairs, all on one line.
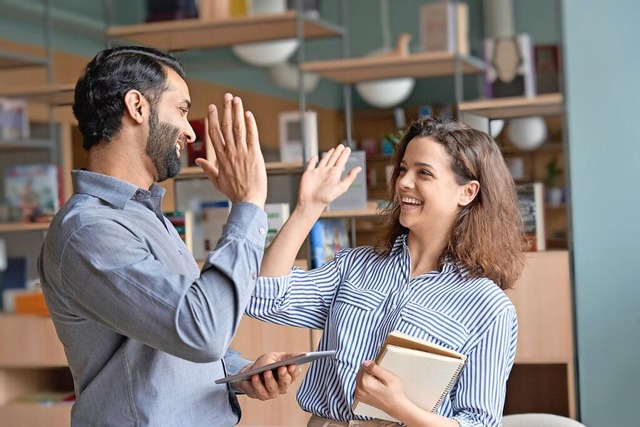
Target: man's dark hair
{"points": [[100, 90]]}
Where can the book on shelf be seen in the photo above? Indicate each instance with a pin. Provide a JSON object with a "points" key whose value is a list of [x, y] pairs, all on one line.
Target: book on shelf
{"points": [[198, 148], [547, 63], [32, 192], [444, 26], [356, 196], [531, 202], [291, 141], [428, 372], [213, 217], [13, 280], [277, 215], [14, 121], [183, 223], [327, 236], [509, 67]]}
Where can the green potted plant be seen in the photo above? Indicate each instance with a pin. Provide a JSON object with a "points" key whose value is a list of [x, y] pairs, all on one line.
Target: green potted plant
{"points": [[553, 190]]}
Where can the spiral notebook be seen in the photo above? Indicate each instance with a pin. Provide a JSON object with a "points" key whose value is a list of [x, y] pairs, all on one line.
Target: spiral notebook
{"points": [[427, 371]]}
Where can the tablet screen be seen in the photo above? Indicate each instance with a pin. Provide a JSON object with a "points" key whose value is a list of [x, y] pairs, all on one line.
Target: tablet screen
{"points": [[296, 360]]}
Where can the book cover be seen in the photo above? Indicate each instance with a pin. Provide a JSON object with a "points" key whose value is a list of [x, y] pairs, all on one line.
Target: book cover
{"points": [[327, 236], [291, 141], [277, 215], [443, 25], [197, 148], [14, 121], [509, 67], [356, 196], [32, 192], [428, 372], [213, 217], [183, 223], [548, 72], [531, 202]]}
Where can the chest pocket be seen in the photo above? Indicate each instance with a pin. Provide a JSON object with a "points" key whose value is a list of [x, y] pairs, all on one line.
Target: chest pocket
{"points": [[433, 326], [363, 299]]}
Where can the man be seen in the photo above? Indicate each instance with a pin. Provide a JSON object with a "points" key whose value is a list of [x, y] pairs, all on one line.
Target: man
{"points": [[145, 332]]}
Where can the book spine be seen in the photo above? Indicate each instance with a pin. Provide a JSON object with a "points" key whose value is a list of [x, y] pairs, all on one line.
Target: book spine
{"points": [[316, 236]]}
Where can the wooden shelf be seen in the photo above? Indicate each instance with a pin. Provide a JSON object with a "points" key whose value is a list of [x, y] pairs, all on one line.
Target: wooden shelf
{"points": [[272, 168], [25, 144], [29, 342], [10, 60], [508, 108], [546, 147], [10, 227], [419, 65], [35, 414], [370, 211], [197, 33], [55, 94]]}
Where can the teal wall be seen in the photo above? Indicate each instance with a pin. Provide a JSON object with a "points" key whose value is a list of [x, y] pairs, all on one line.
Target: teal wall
{"points": [[603, 65]]}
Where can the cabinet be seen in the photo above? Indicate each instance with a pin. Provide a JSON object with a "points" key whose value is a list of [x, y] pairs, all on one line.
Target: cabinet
{"points": [[32, 360]]}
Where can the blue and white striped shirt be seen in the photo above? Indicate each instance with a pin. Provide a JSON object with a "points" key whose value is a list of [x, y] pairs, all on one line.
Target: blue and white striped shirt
{"points": [[359, 297]]}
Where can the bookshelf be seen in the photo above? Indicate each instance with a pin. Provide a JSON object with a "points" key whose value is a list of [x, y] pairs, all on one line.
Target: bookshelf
{"points": [[418, 65], [506, 108], [33, 361], [199, 33]]}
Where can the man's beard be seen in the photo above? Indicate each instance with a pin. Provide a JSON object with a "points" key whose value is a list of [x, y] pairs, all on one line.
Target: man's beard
{"points": [[161, 147]]}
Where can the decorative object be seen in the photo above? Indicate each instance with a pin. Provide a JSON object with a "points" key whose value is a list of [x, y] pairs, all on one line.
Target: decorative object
{"points": [[285, 75], [484, 124], [527, 133], [509, 67], [265, 54], [444, 26], [291, 141], [554, 192], [389, 92], [386, 93]]}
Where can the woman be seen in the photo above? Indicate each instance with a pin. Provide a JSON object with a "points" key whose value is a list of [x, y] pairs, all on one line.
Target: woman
{"points": [[452, 243]]}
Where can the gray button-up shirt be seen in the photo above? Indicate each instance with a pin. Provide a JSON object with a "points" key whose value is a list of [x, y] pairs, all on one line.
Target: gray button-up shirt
{"points": [[145, 332]]}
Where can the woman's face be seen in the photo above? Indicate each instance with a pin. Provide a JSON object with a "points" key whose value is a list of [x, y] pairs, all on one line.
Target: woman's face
{"points": [[426, 187]]}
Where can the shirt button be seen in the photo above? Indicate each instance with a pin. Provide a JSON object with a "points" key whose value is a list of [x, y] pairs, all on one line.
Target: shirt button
{"points": [[261, 230], [253, 276]]}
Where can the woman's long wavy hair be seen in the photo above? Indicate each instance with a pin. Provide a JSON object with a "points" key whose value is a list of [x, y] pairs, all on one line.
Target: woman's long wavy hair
{"points": [[488, 235]]}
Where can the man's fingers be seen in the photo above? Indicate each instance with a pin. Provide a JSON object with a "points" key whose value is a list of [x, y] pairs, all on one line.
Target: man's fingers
{"points": [[227, 122], [239, 125], [253, 139], [213, 129]]}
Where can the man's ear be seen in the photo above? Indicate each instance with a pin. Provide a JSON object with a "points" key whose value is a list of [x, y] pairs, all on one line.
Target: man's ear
{"points": [[135, 105], [468, 192]]}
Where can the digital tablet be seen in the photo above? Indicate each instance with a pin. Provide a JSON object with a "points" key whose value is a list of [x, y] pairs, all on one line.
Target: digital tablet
{"points": [[296, 360]]}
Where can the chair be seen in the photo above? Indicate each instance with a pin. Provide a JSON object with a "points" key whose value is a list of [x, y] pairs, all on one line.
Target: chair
{"points": [[539, 420]]}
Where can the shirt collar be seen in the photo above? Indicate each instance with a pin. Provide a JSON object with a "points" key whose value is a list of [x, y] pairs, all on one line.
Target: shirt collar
{"points": [[112, 190], [449, 265]]}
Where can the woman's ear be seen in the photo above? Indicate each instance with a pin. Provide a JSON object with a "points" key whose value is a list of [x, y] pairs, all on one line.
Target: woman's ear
{"points": [[135, 104], [468, 192]]}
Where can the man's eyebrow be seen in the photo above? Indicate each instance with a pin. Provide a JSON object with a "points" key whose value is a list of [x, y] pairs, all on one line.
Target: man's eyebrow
{"points": [[187, 102]]}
